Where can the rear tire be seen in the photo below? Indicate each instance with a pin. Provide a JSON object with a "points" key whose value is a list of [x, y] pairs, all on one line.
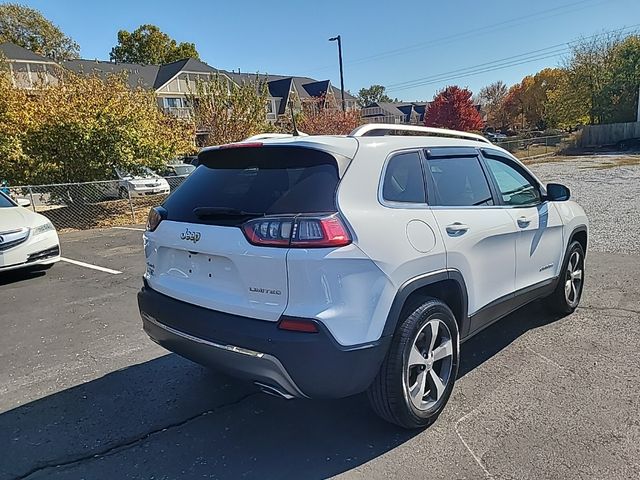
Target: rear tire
{"points": [[568, 292], [417, 376]]}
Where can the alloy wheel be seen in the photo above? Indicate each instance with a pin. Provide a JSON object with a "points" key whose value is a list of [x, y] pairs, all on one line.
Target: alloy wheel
{"points": [[429, 364], [573, 279]]}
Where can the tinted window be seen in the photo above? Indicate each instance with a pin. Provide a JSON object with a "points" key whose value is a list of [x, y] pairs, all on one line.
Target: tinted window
{"points": [[459, 182], [267, 180], [514, 187], [403, 179], [5, 202]]}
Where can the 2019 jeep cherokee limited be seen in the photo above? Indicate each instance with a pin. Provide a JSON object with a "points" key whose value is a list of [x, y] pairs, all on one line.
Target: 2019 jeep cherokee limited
{"points": [[325, 266]]}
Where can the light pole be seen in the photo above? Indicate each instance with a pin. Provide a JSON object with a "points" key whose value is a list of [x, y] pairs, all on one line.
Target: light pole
{"points": [[339, 39]]}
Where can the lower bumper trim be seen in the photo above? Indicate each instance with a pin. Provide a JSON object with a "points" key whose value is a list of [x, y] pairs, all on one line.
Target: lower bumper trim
{"points": [[261, 368]]}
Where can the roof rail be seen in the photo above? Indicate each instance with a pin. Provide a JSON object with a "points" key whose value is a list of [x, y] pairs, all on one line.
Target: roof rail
{"points": [[382, 129]]}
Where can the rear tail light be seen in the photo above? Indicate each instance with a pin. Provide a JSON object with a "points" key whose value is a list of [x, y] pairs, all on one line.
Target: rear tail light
{"points": [[156, 215], [297, 232]]}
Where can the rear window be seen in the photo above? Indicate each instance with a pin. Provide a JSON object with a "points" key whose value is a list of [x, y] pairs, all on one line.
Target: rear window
{"points": [[263, 180]]}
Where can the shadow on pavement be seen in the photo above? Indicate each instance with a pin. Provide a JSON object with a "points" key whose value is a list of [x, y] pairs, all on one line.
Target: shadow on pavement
{"points": [[20, 275], [169, 418]]}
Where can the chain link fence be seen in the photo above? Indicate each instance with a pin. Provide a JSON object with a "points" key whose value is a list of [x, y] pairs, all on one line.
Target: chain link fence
{"points": [[80, 206], [524, 148]]}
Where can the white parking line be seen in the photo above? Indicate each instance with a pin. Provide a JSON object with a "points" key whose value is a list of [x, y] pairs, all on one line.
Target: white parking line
{"points": [[130, 228], [88, 265]]}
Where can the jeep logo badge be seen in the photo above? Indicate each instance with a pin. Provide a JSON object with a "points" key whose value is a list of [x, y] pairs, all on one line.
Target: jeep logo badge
{"points": [[191, 236]]}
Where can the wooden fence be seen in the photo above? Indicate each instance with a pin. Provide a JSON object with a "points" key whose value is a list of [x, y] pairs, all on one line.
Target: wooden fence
{"points": [[610, 134]]}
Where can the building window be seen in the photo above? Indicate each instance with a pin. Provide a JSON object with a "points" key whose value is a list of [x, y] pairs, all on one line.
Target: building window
{"points": [[173, 102]]}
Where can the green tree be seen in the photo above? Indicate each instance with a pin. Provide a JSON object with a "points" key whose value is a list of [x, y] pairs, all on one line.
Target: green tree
{"points": [[150, 46], [29, 29], [82, 128], [625, 84], [590, 68], [565, 107], [373, 94], [226, 112]]}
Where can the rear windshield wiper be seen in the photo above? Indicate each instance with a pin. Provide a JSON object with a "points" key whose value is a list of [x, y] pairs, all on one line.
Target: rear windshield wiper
{"points": [[217, 212]]}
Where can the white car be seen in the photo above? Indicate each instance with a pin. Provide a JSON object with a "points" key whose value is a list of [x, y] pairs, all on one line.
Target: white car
{"points": [[142, 184], [326, 266], [27, 239]]}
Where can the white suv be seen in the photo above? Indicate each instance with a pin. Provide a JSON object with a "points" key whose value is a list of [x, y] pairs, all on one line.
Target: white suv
{"points": [[326, 266]]}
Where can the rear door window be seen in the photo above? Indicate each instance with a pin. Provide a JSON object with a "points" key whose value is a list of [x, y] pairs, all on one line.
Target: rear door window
{"points": [[257, 181], [459, 182]]}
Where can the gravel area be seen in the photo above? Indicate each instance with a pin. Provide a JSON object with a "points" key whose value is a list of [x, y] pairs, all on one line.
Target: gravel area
{"points": [[608, 192]]}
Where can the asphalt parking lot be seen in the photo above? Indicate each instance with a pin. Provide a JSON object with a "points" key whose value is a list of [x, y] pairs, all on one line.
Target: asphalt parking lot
{"points": [[85, 394]]}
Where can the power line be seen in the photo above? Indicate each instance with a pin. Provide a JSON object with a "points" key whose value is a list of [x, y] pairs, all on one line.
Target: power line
{"points": [[471, 33], [477, 72], [514, 60], [556, 11], [548, 50]]}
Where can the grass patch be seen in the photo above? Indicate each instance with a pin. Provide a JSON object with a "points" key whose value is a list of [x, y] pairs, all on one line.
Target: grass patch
{"points": [[627, 161]]}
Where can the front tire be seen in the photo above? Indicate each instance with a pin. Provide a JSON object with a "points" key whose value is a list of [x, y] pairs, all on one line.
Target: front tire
{"points": [[568, 292], [417, 376]]}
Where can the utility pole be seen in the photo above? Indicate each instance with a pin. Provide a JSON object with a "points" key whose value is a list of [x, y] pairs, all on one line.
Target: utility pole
{"points": [[339, 39]]}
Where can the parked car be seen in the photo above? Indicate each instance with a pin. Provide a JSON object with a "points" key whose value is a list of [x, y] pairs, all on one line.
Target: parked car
{"points": [[145, 182], [326, 266], [177, 170], [175, 173], [27, 239]]}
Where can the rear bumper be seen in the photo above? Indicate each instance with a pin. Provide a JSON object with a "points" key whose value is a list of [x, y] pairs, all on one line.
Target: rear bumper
{"points": [[296, 364]]}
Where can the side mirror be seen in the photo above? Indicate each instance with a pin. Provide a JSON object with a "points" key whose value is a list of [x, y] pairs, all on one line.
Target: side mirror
{"points": [[23, 202], [557, 192]]}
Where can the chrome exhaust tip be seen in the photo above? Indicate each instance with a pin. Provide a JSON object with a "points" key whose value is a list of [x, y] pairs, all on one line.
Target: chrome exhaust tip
{"points": [[271, 390]]}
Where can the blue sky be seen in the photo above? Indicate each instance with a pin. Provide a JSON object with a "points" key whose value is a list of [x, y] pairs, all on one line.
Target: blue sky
{"points": [[383, 42]]}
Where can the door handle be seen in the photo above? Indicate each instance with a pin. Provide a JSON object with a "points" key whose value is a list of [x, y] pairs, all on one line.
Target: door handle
{"points": [[456, 229], [523, 222]]}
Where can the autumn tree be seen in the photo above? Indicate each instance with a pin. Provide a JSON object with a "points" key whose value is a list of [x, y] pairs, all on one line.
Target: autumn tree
{"points": [[373, 94], [82, 128], [490, 99], [30, 29], [318, 120], [150, 46], [453, 108], [513, 105], [227, 112]]}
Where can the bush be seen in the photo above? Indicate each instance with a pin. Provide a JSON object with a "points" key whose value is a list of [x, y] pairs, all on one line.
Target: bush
{"points": [[82, 128]]}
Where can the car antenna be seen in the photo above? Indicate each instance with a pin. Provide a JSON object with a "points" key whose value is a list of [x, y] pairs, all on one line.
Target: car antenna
{"points": [[296, 133]]}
